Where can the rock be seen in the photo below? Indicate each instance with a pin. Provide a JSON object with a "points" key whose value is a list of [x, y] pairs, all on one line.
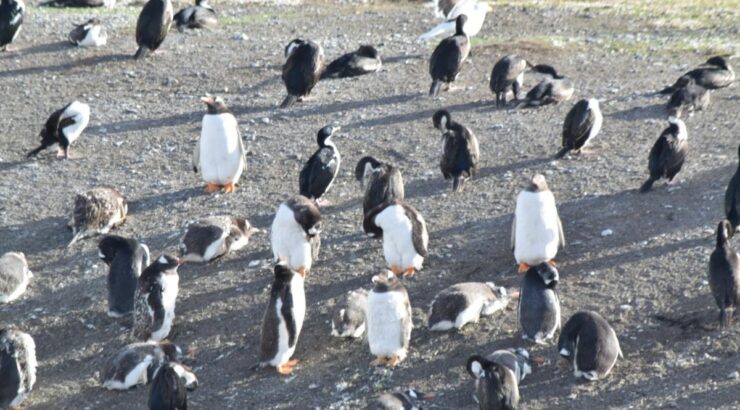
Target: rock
{"points": [[607, 232]]}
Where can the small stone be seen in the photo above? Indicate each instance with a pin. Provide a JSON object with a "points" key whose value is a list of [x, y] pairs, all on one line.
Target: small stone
{"points": [[265, 120], [734, 375], [254, 263], [607, 232], [625, 308]]}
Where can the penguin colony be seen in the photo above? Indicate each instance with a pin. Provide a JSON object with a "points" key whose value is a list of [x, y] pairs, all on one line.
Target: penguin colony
{"points": [[148, 291]]}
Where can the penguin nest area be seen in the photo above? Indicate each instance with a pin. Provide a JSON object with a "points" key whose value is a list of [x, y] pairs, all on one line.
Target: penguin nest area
{"points": [[640, 260]]}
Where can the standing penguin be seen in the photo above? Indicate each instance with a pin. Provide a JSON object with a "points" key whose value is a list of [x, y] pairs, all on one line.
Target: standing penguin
{"points": [[97, 211], [11, 19], [88, 34], [302, 69], [553, 90], [405, 236], [365, 60], [322, 167], [536, 232], [219, 154], [381, 182], [389, 320], [14, 276], [713, 74], [465, 302], [152, 26], [283, 319], [496, 386], [201, 15], [447, 59], [460, 151], [590, 344], [581, 125], [137, 363], [210, 238], [508, 73], [168, 391], [668, 154], [724, 274], [154, 300], [732, 198], [690, 98], [539, 304], [63, 128], [17, 367], [349, 316], [294, 234], [127, 258]]}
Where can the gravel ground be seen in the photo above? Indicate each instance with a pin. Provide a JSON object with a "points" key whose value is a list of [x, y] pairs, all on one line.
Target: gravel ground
{"points": [[145, 121]]}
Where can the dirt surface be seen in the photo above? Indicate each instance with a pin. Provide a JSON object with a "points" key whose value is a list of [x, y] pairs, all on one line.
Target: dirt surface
{"points": [[146, 117]]}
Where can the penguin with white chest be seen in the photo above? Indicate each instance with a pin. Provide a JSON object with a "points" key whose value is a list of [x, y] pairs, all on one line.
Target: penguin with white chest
{"points": [[88, 34], [460, 151], [11, 20], [404, 233], [724, 274], [127, 258], [581, 125], [668, 154], [283, 320], [152, 26], [466, 302], [137, 363], [295, 233], [219, 154], [215, 236], [589, 342], [154, 299], [381, 182], [349, 315], [536, 232], [302, 69], [63, 128], [17, 367], [447, 59], [389, 320], [14, 276], [97, 211], [322, 167], [732, 197], [539, 303]]}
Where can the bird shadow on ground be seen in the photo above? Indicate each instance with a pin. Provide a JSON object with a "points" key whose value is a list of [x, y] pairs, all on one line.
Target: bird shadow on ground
{"points": [[167, 198], [43, 48], [34, 237], [90, 61], [6, 166], [401, 58], [348, 106], [414, 116], [641, 113]]}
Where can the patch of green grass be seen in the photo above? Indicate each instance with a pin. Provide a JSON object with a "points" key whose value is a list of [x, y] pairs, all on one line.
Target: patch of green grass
{"points": [[529, 42], [88, 11], [706, 45], [245, 19]]}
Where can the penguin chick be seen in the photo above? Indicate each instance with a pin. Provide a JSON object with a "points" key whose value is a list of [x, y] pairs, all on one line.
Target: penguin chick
{"points": [[539, 304], [137, 363], [63, 128], [365, 60], [690, 99], [381, 183], [154, 299], [127, 258], [295, 233], [668, 154], [152, 26], [732, 198], [715, 73], [405, 400], [517, 360], [464, 303], [17, 367], [496, 386], [508, 74], [201, 15], [302, 69], [590, 344], [552, 90], [389, 320], [97, 211], [322, 167], [88, 34], [581, 125], [14, 276], [404, 233], [460, 151], [283, 320], [447, 59], [11, 20], [349, 315], [215, 236], [724, 274], [169, 390]]}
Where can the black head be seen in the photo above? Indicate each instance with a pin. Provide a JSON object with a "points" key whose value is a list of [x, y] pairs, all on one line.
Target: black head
{"points": [[171, 351], [724, 232], [460, 24], [215, 104], [325, 134], [718, 61], [491, 379], [537, 184], [546, 69], [548, 273], [290, 48], [94, 21], [202, 3], [165, 263], [442, 120], [362, 165], [110, 245], [306, 214], [386, 280], [368, 51]]}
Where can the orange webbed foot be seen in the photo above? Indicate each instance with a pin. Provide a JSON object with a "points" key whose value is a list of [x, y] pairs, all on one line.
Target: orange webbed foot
{"points": [[395, 269], [211, 188], [393, 361], [379, 361], [287, 368], [552, 263], [523, 267], [230, 187], [409, 272], [302, 271]]}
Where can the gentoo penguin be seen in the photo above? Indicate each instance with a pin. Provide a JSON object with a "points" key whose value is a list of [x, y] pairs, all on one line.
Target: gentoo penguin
{"points": [[405, 400], [63, 127], [447, 59], [97, 211], [322, 167], [295, 233], [154, 299], [215, 236], [732, 198], [283, 319], [713, 74], [668, 153], [405, 236], [88, 34], [553, 90], [11, 19], [219, 154], [168, 390], [690, 98], [137, 363], [581, 125], [465, 302], [508, 73], [460, 151], [496, 386], [152, 26], [201, 15], [389, 320], [365, 60], [302, 69], [14, 276], [539, 303], [724, 273], [348, 317], [517, 360], [475, 13], [590, 344], [17, 367], [381, 182], [127, 258], [536, 232]]}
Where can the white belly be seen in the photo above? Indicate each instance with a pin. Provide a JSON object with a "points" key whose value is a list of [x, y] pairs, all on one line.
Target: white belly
{"points": [[289, 240], [93, 38], [81, 114], [169, 296], [537, 230], [137, 375], [284, 350], [221, 159], [384, 327], [398, 244]]}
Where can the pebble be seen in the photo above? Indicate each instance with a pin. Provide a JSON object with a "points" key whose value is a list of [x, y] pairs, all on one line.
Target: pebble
{"points": [[734, 375], [254, 263], [265, 120], [607, 232]]}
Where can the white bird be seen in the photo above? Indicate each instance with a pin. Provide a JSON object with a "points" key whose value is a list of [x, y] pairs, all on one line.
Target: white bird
{"points": [[474, 10]]}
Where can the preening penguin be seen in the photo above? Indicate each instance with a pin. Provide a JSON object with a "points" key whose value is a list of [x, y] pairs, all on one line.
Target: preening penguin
{"points": [[170, 387], [447, 59], [508, 73], [348, 318], [465, 302], [127, 258], [553, 90], [539, 304], [405, 236], [215, 236], [517, 360], [17, 367], [201, 15], [389, 320], [63, 128], [152, 26], [219, 154], [154, 299], [536, 232], [713, 74], [590, 344], [689, 98], [88, 34], [381, 182], [322, 167], [283, 320], [405, 400], [294, 234], [668, 154], [14, 276], [581, 125], [475, 12], [97, 211], [137, 363], [11, 20], [732, 197], [302, 69], [365, 60], [496, 386], [460, 151], [724, 274]]}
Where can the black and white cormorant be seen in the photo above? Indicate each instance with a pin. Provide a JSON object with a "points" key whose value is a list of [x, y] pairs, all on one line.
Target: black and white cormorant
{"points": [[381, 182], [713, 74], [732, 198], [152, 26], [724, 273], [302, 69], [200, 15], [364, 60], [508, 74], [555, 89], [11, 19], [447, 59], [668, 153], [581, 125], [319, 172], [689, 98], [460, 152]]}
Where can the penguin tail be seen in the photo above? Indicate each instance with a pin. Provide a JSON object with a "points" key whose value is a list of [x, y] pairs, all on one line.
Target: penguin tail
{"points": [[647, 185], [668, 90], [562, 152], [141, 52], [326, 74], [288, 101], [35, 152], [434, 90], [457, 183]]}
